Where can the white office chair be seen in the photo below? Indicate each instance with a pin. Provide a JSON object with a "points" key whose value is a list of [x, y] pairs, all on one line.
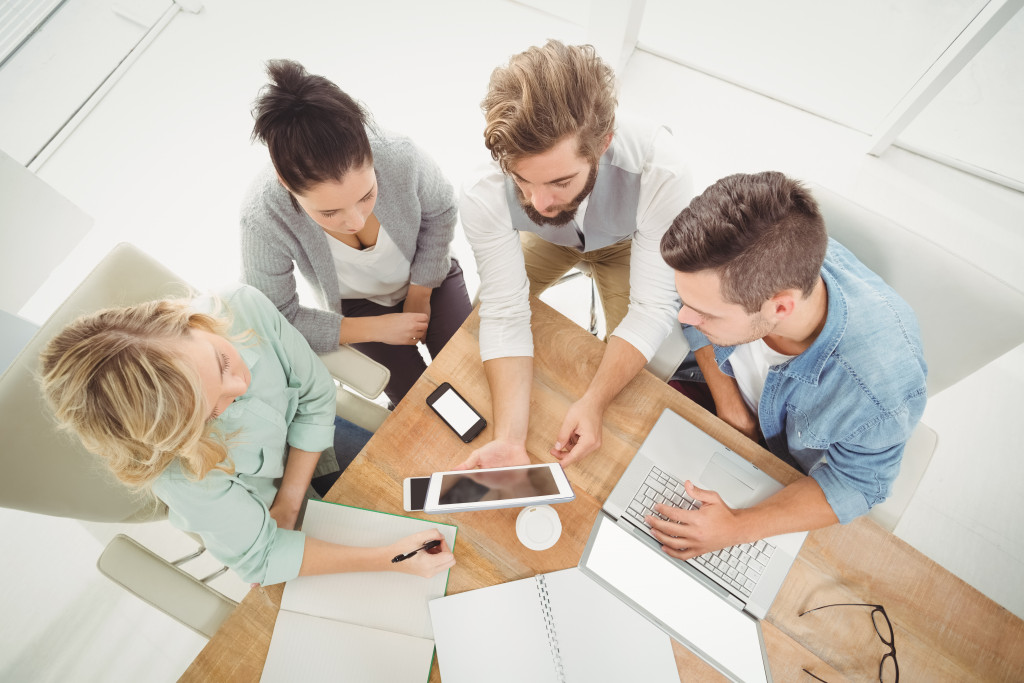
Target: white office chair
{"points": [[48, 472], [582, 269], [669, 355], [968, 318]]}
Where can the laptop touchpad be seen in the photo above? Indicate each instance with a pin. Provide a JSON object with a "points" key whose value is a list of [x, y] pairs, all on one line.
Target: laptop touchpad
{"points": [[728, 480]]}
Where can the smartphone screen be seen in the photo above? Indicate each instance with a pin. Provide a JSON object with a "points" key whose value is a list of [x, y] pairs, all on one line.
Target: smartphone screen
{"points": [[456, 412], [417, 493], [472, 487]]}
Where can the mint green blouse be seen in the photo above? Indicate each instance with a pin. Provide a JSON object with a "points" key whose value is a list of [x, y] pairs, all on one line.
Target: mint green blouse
{"points": [[290, 402]]}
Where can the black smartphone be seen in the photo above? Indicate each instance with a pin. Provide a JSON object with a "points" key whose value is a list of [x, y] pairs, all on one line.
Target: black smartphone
{"points": [[414, 493], [456, 412]]}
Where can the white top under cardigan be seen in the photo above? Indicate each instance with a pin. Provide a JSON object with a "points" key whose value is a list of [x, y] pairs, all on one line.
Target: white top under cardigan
{"points": [[379, 273], [415, 206]]}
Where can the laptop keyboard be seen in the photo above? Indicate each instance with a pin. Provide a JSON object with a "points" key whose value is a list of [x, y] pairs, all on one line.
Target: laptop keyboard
{"points": [[739, 566]]}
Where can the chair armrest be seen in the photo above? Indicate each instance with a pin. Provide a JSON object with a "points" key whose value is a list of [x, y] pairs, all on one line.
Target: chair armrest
{"points": [[670, 355], [357, 371], [171, 590], [360, 411]]}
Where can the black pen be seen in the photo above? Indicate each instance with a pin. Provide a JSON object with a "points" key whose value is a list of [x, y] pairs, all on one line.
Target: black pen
{"points": [[428, 546]]}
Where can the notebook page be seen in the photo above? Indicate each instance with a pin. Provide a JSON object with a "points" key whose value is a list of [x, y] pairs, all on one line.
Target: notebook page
{"points": [[649, 579], [494, 634], [306, 648], [603, 639], [389, 601]]}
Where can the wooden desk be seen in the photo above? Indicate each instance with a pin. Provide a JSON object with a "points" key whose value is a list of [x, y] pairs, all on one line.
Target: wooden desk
{"points": [[944, 629]]}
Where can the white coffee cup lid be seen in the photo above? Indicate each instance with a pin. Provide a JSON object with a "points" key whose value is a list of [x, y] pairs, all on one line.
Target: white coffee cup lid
{"points": [[538, 527]]}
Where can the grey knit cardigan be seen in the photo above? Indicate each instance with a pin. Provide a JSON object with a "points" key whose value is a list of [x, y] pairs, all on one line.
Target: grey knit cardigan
{"points": [[416, 208]]}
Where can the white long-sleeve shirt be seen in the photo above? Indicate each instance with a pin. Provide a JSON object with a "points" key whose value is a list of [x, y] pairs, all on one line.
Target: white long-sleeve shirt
{"points": [[665, 190]]}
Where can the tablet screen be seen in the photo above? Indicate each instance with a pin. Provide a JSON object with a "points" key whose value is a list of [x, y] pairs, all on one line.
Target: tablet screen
{"points": [[473, 487]]}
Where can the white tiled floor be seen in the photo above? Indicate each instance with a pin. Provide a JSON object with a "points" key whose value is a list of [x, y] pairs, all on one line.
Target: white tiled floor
{"points": [[163, 161]]}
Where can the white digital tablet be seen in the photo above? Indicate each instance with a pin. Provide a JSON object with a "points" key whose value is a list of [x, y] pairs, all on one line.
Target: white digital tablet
{"points": [[498, 487]]}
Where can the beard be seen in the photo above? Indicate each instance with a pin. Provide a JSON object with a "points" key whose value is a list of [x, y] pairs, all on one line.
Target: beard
{"points": [[760, 327], [566, 212]]}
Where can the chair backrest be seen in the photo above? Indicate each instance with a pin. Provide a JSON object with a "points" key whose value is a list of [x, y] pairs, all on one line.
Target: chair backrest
{"points": [[42, 469], [917, 455], [968, 318], [670, 354]]}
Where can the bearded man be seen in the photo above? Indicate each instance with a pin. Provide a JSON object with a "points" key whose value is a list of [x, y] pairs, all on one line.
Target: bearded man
{"points": [[567, 185]]}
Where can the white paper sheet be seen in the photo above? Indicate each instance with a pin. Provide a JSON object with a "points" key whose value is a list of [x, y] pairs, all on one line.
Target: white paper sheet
{"points": [[385, 600], [498, 634], [309, 648], [602, 638], [493, 634], [362, 626]]}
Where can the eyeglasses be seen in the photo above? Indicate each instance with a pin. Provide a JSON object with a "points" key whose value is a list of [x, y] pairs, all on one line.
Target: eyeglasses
{"points": [[883, 627]]}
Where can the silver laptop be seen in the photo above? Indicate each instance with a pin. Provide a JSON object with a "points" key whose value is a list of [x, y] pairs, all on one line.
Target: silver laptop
{"points": [[734, 587]]}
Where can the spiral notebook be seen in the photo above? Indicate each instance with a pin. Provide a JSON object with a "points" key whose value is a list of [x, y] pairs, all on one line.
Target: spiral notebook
{"points": [[559, 627]]}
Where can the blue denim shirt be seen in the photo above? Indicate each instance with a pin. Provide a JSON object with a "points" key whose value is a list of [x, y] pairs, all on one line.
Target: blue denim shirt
{"points": [[843, 410]]}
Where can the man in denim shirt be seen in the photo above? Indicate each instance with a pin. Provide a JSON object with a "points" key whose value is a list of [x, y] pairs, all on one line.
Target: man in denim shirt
{"points": [[799, 342]]}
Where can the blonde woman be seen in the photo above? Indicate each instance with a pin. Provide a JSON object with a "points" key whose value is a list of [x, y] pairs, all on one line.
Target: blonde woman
{"points": [[223, 416]]}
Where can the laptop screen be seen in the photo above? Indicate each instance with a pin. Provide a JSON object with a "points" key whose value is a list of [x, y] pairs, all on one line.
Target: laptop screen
{"points": [[719, 633]]}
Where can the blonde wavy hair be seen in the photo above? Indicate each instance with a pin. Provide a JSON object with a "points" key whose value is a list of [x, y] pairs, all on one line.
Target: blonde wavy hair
{"points": [[544, 95], [116, 379]]}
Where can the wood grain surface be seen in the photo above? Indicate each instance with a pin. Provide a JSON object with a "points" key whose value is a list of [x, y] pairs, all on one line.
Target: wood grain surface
{"points": [[944, 629]]}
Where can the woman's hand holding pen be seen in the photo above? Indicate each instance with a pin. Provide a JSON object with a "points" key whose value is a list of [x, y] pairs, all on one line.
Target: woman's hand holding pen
{"points": [[425, 563]]}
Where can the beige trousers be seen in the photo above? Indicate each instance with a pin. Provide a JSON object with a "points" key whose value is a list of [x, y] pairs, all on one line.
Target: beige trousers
{"points": [[547, 262]]}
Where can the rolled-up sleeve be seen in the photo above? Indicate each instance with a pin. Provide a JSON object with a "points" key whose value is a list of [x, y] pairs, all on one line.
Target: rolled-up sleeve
{"points": [[291, 400], [311, 424], [235, 525], [666, 188], [504, 288], [855, 480]]}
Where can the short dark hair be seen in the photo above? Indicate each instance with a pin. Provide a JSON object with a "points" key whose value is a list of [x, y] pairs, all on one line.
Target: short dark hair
{"points": [[761, 233], [314, 131]]}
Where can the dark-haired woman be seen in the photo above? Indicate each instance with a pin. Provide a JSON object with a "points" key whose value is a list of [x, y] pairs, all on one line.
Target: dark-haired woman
{"points": [[368, 219]]}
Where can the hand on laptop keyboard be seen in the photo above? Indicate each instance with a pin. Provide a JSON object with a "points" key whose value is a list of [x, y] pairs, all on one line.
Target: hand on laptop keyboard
{"points": [[700, 522], [672, 511]]}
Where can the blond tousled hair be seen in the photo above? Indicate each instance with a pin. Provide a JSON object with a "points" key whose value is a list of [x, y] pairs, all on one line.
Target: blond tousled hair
{"points": [[544, 95], [116, 379]]}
